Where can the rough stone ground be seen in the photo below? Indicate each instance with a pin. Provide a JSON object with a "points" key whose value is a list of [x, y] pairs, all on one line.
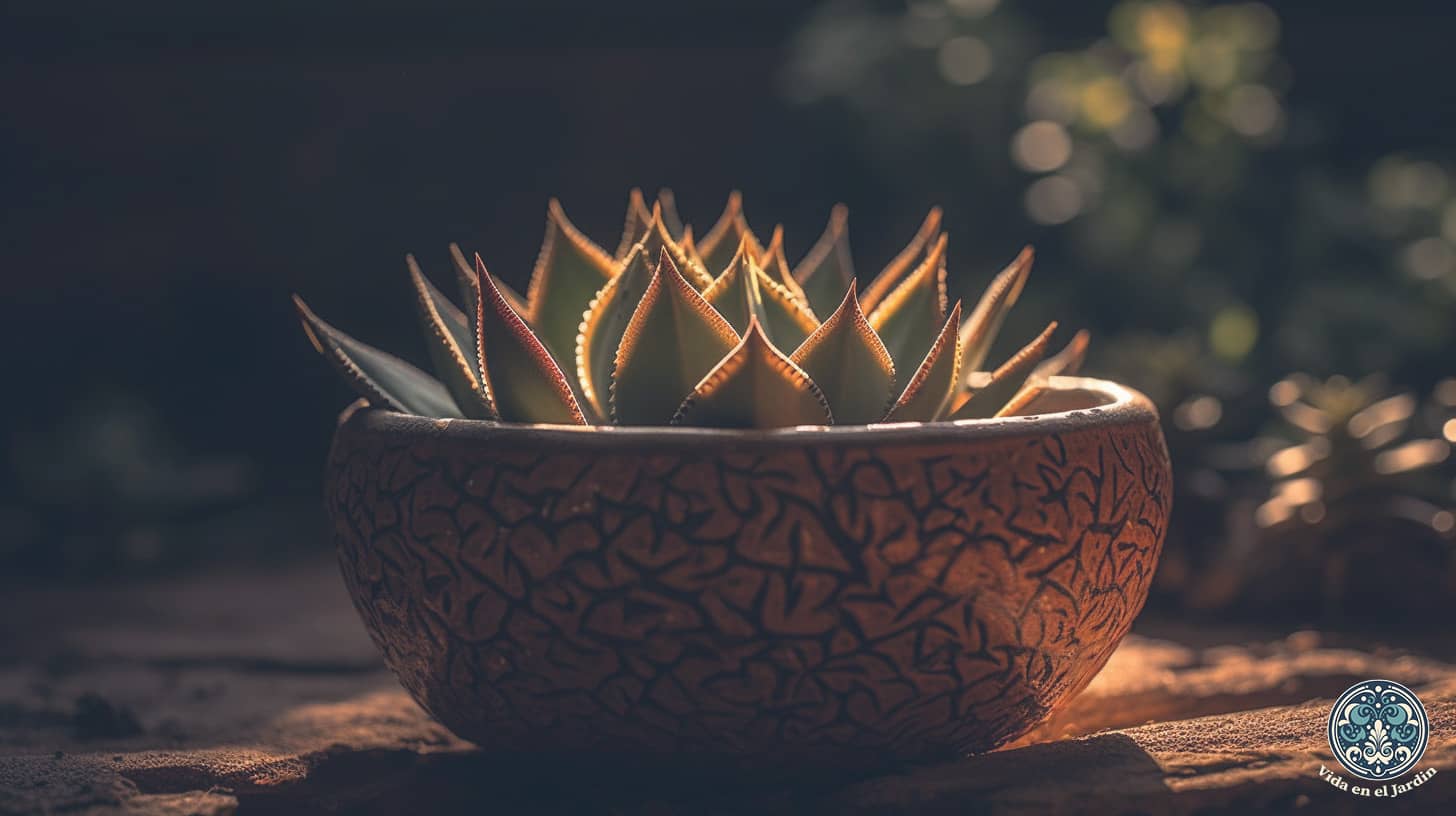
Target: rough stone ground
{"points": [[261, 693]]}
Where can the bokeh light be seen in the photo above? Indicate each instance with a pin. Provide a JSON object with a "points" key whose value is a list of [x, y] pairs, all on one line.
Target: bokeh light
{"points": [[964, 60], [1041, 147], [1233, 332], [972, 8], [1053, 200]]}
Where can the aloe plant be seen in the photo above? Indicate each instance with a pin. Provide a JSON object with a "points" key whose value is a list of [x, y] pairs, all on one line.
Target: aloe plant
{"points": [[716, 331]]}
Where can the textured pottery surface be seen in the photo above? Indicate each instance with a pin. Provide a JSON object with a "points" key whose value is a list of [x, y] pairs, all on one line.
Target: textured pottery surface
{"points": [[842, 596]]}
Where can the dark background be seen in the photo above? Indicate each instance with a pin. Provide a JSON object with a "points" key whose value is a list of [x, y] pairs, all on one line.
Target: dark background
{"points": [[172, 171]]}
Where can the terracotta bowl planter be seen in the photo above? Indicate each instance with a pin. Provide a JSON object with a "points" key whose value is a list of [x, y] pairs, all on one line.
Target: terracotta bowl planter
{"points": [[830, 597]]}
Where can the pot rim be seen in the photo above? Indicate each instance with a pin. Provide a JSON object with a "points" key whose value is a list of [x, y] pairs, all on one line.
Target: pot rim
{"points": [[1115, 405]]}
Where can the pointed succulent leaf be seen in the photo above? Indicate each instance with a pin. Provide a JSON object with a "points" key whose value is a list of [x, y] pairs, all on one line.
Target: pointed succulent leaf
{"points": [[895, 271], [991, 398], [718, 246], [1064, 363], [786, 319], [1068, 361], [931, 388], [729, 292], [668, 202], [690, 247], [826, 271], [604, 324], [743, 291], [469, 287], [719, 240], [383, 379], [452, 346], [658, 238], [672, 340], [907, 319], [515, 367], [776, 266], [979, 331], [846, 359], [638, 221], [569, 271], [755, 386]]}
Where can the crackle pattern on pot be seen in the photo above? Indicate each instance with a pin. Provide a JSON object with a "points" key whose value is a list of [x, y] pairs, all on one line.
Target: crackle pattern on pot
{"points": [[836, 602]]}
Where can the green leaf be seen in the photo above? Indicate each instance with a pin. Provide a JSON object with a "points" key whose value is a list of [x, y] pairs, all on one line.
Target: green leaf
{"points": [[776, 267], [569, 271], [668, 202], [604, 324], [827, 270], [720, 244], [980, 329], [846, 359], [728, 293], [672, 340], [743, 291], [1068, 361], [1064, 363], [515, 366], [755, 386], [657, 238], [690, 249], [787, 320], [908, 317], [452, 346], [1005, 381], [469, 287], [895, 271], [639, 220], [931, 387], [383, 379]]}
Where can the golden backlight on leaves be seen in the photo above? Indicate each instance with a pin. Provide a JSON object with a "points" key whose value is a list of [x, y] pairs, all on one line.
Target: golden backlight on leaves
{"points": [[469, 287], [907, 318], [849, 363], [638, 222], [776, 266], [824, 273], [1062, 364], [985, 320], [718, 245], [934, 381], [604, 324], [515, 367], [673, 339], [1006, 381], [629, 338], [657, 237], [668, 204], [755, 386], [744, 291], [569, 270], [452, 346], [896, 270]]}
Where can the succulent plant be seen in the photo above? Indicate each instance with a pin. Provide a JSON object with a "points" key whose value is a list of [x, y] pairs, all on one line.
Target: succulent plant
{"points": [[1350, 499], [714, 331]]}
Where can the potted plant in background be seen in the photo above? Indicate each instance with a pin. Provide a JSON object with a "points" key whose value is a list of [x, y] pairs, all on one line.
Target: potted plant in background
{"points": [[685, 500]]}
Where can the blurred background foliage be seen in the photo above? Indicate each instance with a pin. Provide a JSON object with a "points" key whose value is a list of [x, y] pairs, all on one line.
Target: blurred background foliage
{"points": [[1253, 208], [1224, 268]]}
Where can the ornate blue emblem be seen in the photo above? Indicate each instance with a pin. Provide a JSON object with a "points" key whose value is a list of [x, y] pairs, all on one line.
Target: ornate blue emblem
{"points": [[1378, 729]]}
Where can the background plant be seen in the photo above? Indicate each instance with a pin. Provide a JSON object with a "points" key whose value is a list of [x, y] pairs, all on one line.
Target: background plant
{"points": [[1164, 161]]}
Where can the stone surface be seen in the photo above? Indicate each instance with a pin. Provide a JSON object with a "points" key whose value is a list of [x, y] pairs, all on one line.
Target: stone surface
{"points": [[260, 693]]}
